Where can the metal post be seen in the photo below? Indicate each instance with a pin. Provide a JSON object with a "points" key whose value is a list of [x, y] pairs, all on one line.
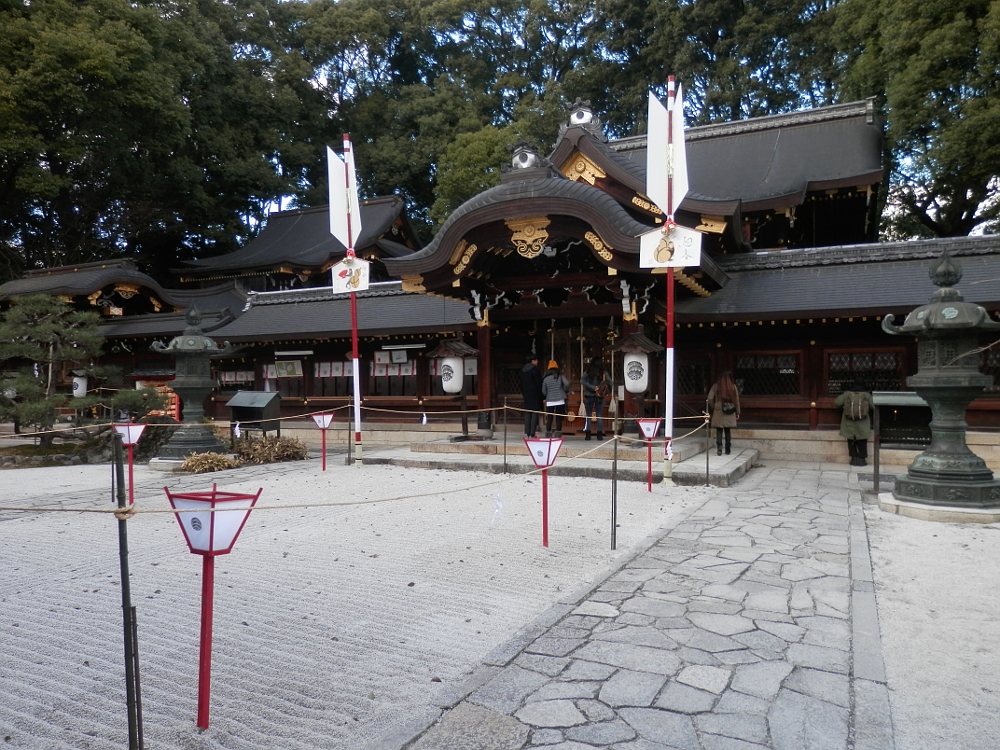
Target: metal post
{"points": [[876, 444], [708, 443], [205, 653], [614, 496], [323, 433], [130, 683], [138, 681], [465, 413], [505, 415]]}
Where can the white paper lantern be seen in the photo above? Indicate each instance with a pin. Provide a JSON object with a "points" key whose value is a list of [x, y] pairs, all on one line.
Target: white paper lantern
{"points": [[452, 374], [636, 370], [80, 386]]}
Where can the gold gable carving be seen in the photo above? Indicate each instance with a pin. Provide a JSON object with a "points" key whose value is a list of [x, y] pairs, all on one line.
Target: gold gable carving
{"points": [[458, 253], [646, 205], [600, 246], [414, 283], [684, 280], [466, 258], [716, 224], [579, 167], [126, 291], [528, 234]]}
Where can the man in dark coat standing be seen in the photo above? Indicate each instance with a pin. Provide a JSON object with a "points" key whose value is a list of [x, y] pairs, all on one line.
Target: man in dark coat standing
{"points": [[531, 392]]}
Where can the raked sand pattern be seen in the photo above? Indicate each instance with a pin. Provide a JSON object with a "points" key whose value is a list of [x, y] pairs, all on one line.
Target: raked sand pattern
{"points": [[333, 623]]}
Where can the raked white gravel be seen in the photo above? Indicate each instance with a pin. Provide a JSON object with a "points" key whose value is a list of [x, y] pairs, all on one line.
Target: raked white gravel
{"points": [[352, 597]]}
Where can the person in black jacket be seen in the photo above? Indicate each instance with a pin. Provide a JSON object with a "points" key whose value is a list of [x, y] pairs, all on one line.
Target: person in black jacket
{"points": [[531, 392]]}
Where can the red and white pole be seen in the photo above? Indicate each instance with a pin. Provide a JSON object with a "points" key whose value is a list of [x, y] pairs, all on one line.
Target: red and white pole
{"points": [[355, 357], [205, 655], [668, 390]]}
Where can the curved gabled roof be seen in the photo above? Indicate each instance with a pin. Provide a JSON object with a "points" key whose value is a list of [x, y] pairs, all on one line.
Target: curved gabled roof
{"points": [[619, 166], [83, 280], [302, 239], [532, 192]]}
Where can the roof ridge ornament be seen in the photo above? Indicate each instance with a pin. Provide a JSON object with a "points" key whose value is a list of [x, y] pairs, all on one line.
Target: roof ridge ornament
{"points": [[581, 115], [946, 271], [526, 162]]}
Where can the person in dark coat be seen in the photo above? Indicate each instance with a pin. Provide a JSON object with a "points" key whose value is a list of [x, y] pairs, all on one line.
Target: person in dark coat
{"points": [[531, 393], [856, 426], [724, 408], [593, 399]]}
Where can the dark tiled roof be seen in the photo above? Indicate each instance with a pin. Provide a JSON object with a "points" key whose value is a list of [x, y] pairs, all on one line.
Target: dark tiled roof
{"points": [[84, 279], [302, 239], [218, 297], [868, 253], [878, 279], [160, 325], [771, 162], [385, 308]]}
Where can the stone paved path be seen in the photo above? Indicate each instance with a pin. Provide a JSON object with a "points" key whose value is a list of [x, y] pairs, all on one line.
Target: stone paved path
{"points": [[751, 624]]}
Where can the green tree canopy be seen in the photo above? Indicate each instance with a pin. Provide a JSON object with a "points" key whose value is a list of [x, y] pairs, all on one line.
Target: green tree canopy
{"points": [[135, 128], [934, 68], [165, 131]]}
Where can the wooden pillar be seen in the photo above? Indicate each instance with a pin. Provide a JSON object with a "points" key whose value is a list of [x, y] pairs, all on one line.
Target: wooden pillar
{"points": [[484, 342]]}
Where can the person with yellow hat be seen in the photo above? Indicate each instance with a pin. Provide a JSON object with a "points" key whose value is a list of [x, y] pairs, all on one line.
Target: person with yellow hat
{"points": [[554, 388]]}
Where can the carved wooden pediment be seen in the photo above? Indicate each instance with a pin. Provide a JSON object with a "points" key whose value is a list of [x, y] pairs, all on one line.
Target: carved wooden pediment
{"points": [[528, 233]]}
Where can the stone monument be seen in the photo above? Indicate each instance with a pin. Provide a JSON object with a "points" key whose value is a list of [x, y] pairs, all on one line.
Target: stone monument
{"points": [[947, 481]]}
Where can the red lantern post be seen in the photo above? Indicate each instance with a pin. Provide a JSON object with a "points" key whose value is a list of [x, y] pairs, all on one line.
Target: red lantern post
{"points": [[543, 452], [210, 521], [130, 436], [649, 428], [323, 422]]}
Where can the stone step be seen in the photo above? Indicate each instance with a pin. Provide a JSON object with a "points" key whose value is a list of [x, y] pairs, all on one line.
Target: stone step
{"points": [[629, 449]]}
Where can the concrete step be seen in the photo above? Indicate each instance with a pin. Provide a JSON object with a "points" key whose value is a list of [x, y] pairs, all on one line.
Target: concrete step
{"points": [[573, 447], [722, 471]]}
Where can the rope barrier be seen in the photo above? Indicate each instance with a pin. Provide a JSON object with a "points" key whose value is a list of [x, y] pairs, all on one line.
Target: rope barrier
{"points": [[124, 514], [379, 410]]}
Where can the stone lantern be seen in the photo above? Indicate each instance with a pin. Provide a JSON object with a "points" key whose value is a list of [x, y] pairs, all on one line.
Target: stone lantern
{"points": [[192, 351], [946, 476]]}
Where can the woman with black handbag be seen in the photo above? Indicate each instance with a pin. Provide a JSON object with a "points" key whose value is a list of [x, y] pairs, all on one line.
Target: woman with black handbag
{"points": [[724, 407]]}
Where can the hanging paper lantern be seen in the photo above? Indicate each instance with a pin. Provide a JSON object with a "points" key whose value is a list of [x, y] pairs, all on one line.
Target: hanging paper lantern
{"points": [[80, 386], [452, 374], [636, 370]]}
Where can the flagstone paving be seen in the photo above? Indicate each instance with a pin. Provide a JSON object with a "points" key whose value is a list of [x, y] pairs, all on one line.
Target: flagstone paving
{"points": [[749, 625]]}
